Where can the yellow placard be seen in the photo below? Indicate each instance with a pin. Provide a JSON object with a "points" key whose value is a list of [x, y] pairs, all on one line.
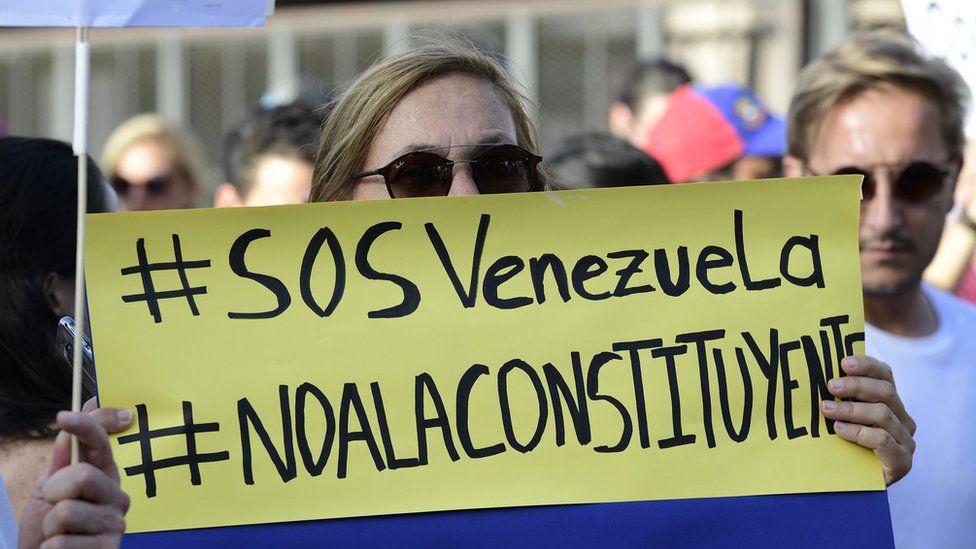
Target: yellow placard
{"points": [[394, 356]]}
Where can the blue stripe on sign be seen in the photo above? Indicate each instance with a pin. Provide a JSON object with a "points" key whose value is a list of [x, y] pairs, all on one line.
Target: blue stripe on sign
{"points": [[849, 519]]}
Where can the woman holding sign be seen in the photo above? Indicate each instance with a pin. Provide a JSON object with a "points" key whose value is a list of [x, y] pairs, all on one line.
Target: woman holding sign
{"points": [[446, 120], [55, 501]]}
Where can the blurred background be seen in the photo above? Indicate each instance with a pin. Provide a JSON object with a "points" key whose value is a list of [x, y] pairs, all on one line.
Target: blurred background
{"points": [[570, 56]]}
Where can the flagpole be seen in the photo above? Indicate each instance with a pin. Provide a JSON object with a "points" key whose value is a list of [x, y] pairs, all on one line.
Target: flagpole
{"points": [[80, 146]]}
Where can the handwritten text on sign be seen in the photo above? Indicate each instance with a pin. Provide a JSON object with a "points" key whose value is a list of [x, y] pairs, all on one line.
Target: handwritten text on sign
{"points": [[399, 356]]}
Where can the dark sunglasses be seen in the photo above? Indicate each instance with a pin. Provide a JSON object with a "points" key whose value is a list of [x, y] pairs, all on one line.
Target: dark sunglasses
{"points": [[497, 169], [914, 182], [155, 186]]}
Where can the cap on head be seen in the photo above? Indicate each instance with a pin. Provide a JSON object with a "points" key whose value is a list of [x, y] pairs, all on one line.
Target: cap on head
{"points": [[708, 127]]}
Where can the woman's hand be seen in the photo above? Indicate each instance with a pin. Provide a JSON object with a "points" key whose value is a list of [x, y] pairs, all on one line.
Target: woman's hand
{"points": [[876, 418], [79, 505], [113, 420]]}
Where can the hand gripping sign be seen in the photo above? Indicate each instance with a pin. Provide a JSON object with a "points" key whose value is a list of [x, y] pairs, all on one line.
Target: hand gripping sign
{"points": [[400, 356]]}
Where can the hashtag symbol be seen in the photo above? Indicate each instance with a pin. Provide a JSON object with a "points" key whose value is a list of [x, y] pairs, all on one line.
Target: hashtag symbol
{"points": [[191, 459], [145, 270]]}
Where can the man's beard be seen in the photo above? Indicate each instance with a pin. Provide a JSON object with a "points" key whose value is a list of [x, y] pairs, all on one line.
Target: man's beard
{"points": [[910, 282], [892, 290]]}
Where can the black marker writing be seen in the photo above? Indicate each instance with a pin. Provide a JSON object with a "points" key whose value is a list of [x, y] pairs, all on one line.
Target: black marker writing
{"points": [[191, 459], [150, 295]]}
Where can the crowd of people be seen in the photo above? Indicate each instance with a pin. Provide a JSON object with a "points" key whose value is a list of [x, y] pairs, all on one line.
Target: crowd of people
{"points": [[444, 118]]}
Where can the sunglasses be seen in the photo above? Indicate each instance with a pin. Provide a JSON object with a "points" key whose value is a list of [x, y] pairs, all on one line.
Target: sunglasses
{"points": [[914, 182], [154, 187], [497, 169]]}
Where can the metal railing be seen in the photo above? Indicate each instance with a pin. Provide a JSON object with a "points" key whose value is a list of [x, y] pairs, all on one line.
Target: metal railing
{"points": [[569, 55]]}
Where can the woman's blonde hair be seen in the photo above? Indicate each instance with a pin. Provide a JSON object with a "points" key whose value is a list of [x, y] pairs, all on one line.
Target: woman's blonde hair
{"points": [[360, 112], [182, 148], [867, 62]]}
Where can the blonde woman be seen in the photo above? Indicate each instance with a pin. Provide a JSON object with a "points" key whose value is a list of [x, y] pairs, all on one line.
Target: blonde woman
{"points": [[431, 122], [152, 165], [445, 119], [438, 120]]}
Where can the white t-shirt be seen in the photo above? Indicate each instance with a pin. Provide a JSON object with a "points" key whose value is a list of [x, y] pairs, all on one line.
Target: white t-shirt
{"points": [[8, 527], [935, 504]]}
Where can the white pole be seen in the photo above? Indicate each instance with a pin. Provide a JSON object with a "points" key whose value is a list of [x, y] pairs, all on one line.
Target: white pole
{"points": [[650, 30], [171, 76], [80, 145], [521, 49], [283, 65]]}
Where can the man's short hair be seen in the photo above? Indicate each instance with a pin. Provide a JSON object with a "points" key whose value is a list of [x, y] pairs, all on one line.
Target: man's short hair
{"points": [[868, 62], [601, 160], [291, 131], [651, 77]]}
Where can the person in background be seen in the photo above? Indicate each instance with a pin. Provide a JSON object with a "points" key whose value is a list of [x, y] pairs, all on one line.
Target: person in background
{"points": [[954, 267], [879, 107], [597, 160], [643, 98], [38, 202], [717, 133], [268, 157], [152, 165]]}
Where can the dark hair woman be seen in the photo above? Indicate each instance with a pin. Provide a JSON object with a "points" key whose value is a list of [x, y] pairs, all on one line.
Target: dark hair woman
{"points": [[38, 203]]}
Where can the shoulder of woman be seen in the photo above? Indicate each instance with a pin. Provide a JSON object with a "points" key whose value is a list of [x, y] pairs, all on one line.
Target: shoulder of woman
{"points": [[22, 462]]}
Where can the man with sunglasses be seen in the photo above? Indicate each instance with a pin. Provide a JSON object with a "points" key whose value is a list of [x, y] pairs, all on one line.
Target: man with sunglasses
{"points": [[879, 107]]}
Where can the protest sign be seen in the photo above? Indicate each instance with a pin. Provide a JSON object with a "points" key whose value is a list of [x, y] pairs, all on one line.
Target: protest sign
{"points": [[399, 356], [137, 13]]}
